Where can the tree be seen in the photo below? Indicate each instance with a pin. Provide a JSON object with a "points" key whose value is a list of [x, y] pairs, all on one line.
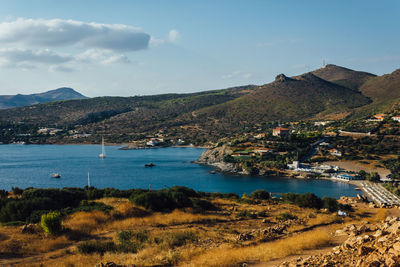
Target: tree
{"points": [[51, 223], [373, 177]]}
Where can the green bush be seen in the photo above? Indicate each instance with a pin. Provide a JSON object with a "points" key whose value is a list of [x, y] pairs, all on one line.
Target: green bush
{"points": [[308, 200], [330, 203], [286, 216], [246, 214], [51, 223], [202, 205], [91, 247], [260, 194]]}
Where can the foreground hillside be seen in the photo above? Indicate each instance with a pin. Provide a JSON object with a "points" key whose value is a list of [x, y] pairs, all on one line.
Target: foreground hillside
{"points": [[186, 228]]}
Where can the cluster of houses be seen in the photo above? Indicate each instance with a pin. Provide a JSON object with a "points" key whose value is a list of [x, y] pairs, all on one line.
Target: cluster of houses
{"points": [[279, 131], [51, 131], [331, 171], [381, 117]]}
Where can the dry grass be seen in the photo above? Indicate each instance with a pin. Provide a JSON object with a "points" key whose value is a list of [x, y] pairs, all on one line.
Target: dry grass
{"points": [[263, 252], [86, 222], [127, 210], [174, 218]]}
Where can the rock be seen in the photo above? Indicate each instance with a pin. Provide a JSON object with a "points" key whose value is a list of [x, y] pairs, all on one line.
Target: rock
{"points": [[109, 264], [378, 233], [363, 250], [396, 248], [394, 228], [28, 229], [244, 237]]}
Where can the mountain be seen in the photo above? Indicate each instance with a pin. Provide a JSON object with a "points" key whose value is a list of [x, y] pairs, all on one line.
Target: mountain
{"points": [[383, 88], [64, 93], [345, 77], [294, 98], [330, 92]]}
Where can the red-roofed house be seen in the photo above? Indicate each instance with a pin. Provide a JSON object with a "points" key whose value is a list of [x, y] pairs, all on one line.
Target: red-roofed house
{"points": [[282, 132], [379, 117]]}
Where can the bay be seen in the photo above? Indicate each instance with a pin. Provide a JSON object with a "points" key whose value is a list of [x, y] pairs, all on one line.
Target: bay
{"points": [[32, 165]]}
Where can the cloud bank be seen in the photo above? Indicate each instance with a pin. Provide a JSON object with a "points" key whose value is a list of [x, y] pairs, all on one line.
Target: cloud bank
{"points": [[28, 42], [58, 32]]}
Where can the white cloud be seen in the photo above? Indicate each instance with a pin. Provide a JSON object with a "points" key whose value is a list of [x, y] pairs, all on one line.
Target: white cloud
{"points": [[174, 36], [58, 32], [16, 57], [156, 42], [101, 56]]}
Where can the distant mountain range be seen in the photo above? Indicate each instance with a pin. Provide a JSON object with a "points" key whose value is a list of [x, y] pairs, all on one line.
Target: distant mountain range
{"points": [[64, 93], [326, 93]]}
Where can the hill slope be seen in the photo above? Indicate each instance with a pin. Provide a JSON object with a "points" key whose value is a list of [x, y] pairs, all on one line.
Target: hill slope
{"points": [[286, 98], [345, 77], [12, 101]]}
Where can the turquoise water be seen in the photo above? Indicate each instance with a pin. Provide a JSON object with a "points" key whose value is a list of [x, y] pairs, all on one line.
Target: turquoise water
{"points": [[31, 166]]}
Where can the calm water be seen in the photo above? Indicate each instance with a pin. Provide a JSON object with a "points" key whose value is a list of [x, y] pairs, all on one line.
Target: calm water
{"points": [[31, 166]]}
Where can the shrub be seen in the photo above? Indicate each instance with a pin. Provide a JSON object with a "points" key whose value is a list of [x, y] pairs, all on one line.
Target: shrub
{"points": [[3, 193], [51, 223], [246, 214], [90, 247], [260, 194], [92, 205], [202, 205], [330, 203], [286, 216], [177, 239], [308, 200], [17, 191]]}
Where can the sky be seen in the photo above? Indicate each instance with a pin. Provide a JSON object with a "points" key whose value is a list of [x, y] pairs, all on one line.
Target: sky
{"points": [[128, 48]]}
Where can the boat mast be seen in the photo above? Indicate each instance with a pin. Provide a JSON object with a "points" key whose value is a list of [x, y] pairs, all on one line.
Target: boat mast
{"points": [[103, 151]]}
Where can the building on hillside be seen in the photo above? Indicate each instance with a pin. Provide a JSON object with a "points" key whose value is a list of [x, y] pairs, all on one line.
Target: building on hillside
{"points": [[347, 177], [321, 123], [335, 152], [260, 136], [152, 143], [282, 132], [396, 118], [262, 151], [380, 117]]}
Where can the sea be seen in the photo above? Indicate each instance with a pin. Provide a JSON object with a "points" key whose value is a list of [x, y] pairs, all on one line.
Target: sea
{"points": [[32, 165]]}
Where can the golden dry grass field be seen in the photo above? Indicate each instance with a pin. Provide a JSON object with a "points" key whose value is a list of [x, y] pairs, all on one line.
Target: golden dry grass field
{"points": [[235, 233]]}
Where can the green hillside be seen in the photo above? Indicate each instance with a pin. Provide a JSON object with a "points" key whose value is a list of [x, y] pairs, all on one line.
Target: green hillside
{"points": [[286, 99], [210, 115]]}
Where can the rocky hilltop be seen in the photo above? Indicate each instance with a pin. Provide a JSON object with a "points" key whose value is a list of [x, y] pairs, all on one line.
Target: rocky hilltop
{"points": [[367, 245]]}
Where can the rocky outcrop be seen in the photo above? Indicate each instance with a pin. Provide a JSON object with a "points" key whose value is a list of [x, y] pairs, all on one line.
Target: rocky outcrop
{"points": [[214, 157], [367, 245]]}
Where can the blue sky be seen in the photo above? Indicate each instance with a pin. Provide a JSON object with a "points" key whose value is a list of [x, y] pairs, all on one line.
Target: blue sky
{"points": [[152, 47]]}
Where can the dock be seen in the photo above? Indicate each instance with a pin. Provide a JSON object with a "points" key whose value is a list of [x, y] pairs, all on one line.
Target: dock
{"points": [[378, 194]]}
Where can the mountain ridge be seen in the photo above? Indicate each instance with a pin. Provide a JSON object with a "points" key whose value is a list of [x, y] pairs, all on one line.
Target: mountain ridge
{"points": [[20, 100], [214, 114]]}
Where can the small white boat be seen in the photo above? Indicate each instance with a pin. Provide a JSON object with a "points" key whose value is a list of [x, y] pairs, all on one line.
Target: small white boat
{"points": [[56, 175], [103, 151]]}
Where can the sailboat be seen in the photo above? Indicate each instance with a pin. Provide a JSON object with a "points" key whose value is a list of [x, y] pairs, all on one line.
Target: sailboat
{"points": [[103, 151]]}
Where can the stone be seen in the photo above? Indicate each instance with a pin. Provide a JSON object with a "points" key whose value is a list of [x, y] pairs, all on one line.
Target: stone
{"points": [[363, 250], [394, 228]]}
